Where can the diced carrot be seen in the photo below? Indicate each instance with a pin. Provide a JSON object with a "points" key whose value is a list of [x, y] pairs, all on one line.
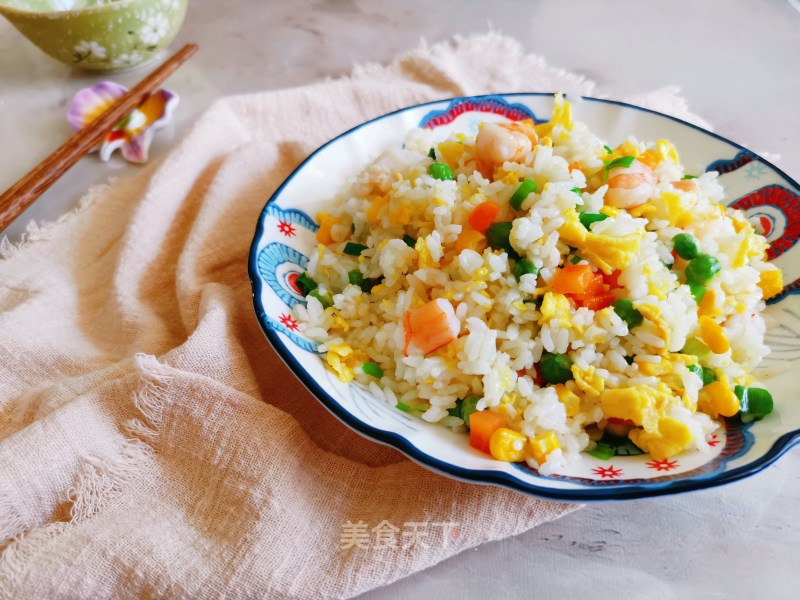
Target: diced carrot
{"points": [[598, 302], [483, 215], [572, 279], [471, 239], [430, 327], [481, 427], [612, 279]]}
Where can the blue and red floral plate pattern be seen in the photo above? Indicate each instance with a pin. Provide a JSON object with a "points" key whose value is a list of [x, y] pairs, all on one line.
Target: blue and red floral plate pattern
{"points": [[285, 235]]}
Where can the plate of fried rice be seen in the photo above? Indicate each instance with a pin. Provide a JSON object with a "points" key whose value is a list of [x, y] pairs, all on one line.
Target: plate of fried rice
{"points": [[570, 297]]}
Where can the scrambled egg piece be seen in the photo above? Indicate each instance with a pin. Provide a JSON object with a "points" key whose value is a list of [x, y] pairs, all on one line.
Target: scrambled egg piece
{"points": [[555, 307], [606, 252], [342, 359], [670, 438], [641, 404], [653, 314], [588, 381], [771, 283], [570, 400]]}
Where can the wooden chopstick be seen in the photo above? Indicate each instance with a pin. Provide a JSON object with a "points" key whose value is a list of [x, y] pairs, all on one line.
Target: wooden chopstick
{"points": [[23, 193]]}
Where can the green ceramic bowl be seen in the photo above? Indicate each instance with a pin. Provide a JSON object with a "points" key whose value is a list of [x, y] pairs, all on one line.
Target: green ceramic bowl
{"points": [[98, 35]]}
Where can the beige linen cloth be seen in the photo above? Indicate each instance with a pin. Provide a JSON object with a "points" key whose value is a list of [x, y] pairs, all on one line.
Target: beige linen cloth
{"points": [[151, 442]]}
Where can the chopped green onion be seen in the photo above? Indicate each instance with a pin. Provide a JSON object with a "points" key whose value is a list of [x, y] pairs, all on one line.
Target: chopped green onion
{"points": [[498, 236], [686, 246], [409, 409], [469, 406], [576, 191], [306, 284], [368, 284], [709, 376], [456, 410], [698, 291], [629, 359], [689, 177], [587, 219], [624, 308], [575, 260], [325, 299], [696, 369], [607, 149], [754, 403], [355, 277], [696, 348], [371, 368], [555, 368], [410, 241], [602, 452], [524, 267], [354, 249], [432, 153], [440, 171], [528, 186], [622, 161], [701, 269]]}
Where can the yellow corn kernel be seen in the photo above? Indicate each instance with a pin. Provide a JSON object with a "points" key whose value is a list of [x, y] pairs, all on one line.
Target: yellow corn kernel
{"points": [[708, 305], [669, 439], [713, 335], [507, 445], [470, 239], [326, 223], [542, 445], [718, 398], [771, 283], [570, 400]]}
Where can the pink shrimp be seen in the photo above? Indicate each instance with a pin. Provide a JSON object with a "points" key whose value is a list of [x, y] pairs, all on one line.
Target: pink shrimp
{"points": [[430, 327], [500, 142], [630, 186]]}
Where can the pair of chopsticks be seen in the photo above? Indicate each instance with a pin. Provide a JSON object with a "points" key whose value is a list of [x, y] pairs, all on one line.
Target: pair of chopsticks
{"points": [[23, 193]]}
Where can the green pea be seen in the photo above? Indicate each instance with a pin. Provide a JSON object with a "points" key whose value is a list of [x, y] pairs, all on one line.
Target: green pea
{"points": [[754, 403], [701, 269], [498, 236], [698, 291], [624, 308], [469, 406], [686, 246], [440, 171], [374, 369], [556, 368], [524, 267], [355, 277], [527, 187], [587, 219]]}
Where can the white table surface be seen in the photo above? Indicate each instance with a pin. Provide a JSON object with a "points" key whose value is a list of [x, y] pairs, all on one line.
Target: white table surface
{"points": [[738, 64]]}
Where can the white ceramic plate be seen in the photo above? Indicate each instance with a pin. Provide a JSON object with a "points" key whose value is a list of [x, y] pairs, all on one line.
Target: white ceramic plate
{"points": [[285, 237]]}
